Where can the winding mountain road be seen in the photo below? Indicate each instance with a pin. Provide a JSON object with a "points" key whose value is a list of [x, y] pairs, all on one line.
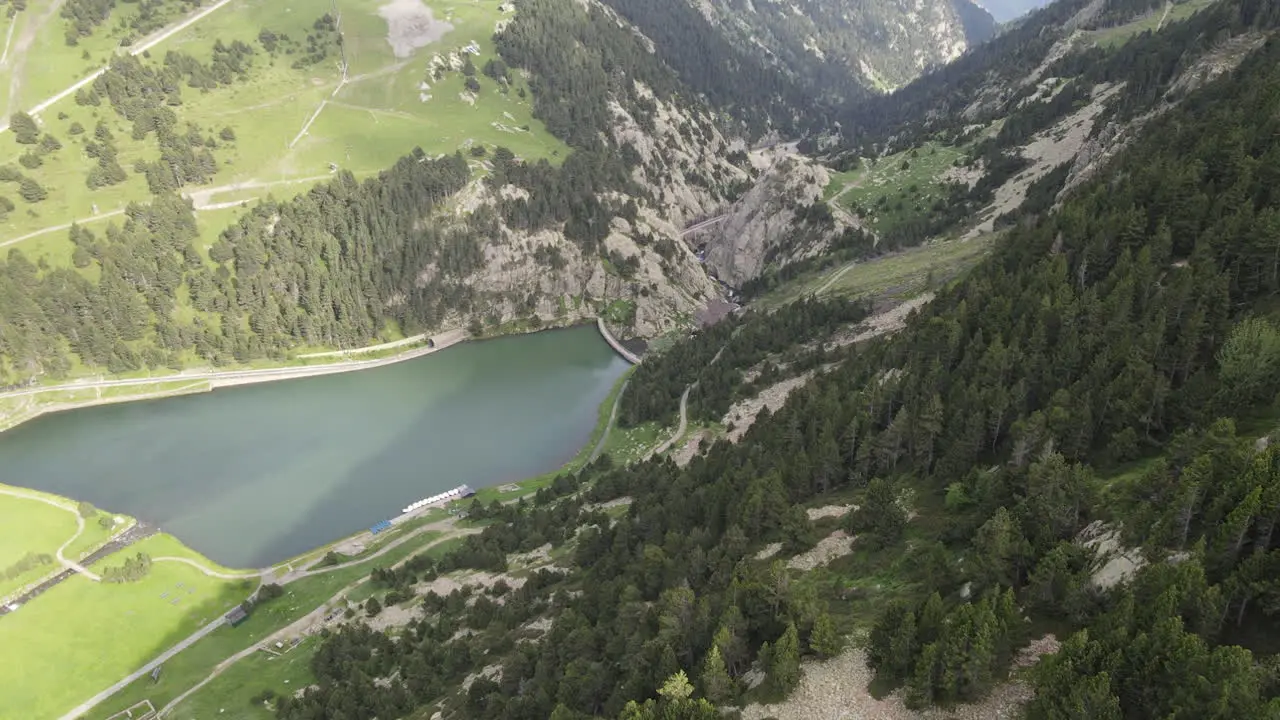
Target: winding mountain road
{"points": [[684, 422], [684, 411]]}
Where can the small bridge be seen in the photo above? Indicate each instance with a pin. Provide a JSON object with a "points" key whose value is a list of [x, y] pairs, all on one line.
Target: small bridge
{"points": [[704, 224]]}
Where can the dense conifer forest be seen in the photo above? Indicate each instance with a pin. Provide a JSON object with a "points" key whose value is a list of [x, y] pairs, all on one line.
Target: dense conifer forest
{"points": [[1131, 328], [1106, 376], [330, 267]]}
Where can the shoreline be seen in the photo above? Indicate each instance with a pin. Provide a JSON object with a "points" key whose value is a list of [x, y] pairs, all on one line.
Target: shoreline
{"points": [[591, 448], [357, 549], [195, 381]]}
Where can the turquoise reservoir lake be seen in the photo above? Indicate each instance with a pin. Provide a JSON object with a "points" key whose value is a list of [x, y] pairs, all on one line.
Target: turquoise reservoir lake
{"points": [[253, 475]]}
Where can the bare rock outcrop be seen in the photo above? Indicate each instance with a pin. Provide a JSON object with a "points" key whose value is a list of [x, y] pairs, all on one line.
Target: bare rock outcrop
{"points": [[761, 225]]}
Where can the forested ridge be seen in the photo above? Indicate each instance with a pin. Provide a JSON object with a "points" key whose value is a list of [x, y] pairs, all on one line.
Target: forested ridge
{"points": [[1091, 379], [988, 82], [335, 266]]}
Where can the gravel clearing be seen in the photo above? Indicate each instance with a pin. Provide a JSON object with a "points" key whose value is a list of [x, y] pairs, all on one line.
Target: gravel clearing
{"points": [[690, 448], [410, 25], [744, 413], [837, 544], [1118, 563], [769, 551], [394, 617], [837, 690], [827, 511], [444, 586], [888, 321]]}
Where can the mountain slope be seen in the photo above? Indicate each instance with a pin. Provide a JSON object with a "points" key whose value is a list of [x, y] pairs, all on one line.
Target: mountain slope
{"points": [[487, 241], [1005, 10], [925, 492], [986, 142], [882, 44]]}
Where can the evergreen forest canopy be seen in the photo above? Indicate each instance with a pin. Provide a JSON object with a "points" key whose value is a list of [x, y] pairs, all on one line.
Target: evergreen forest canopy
{"points": [[333, 266], [1095, 373], [1103, 374]]}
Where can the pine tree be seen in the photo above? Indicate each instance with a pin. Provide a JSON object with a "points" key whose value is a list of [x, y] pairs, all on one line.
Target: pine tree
{"points": [[784, 661], [716, 683], [24, 128], [32, 191], [826, 640]]}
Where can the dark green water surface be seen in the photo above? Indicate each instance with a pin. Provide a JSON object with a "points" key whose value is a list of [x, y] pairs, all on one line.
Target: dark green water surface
{"points": [[252, 475]]}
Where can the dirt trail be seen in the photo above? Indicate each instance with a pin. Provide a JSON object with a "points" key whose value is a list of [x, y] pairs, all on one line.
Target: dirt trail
{"points": [[447, 525], [212, 573], [1167, 7], [69, 564], [8, 41], [613, 418], [684, 422], [341, 83], [63, 226], [306, 622], [29, 32], [25, 41], [834, 277], [201, 199]]}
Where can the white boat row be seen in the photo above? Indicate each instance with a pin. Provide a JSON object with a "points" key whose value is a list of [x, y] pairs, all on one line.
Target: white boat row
{"points": [[450, 495]]}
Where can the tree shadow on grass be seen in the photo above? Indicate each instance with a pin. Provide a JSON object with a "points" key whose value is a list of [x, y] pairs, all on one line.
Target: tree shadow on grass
{"points": [[171, 678]]}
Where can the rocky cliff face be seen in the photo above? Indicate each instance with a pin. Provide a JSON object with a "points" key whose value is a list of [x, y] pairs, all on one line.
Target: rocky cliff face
{"points": [[761, 226], [647, 268], [885, 43]]}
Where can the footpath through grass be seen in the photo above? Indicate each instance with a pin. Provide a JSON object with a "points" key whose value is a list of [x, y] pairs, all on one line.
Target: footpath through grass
{"points": [[895, 189], [300, 598], [902, 274], [30, 527], [81, 636], [1115, 37], [387, 105]]}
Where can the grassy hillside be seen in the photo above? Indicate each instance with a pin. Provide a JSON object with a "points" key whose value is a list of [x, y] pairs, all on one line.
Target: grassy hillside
{"points": [[31, 528], [81, 636], [285, 122], [895, 189], [1172, 12]]}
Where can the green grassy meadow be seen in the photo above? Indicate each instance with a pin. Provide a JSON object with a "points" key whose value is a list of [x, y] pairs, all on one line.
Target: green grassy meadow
{"points": [[228, 696], [378, 115], [300, 598], [1116, 36], [628, 445], [902, 274], [894, 188], [81, 636], [31, 526]]}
